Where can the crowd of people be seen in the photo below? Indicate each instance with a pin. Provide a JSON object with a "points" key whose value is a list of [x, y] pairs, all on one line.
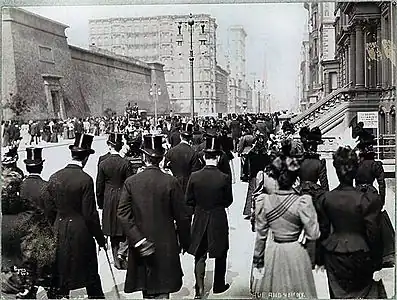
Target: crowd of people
{"points": [[163, 190]]}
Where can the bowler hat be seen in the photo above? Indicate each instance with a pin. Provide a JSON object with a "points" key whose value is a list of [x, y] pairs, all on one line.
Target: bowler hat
{"points": [[115, 139], [153, 145], [187, 129], [34, 156], [212, 144], [82, 143]]}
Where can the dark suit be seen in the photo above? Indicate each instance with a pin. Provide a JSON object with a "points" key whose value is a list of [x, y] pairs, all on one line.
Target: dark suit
{"points": [[352, 252], [235, 129], [76, 225], [175, 138], [209, 191], [150, 203], [112, 173], [182, 161], [102, 158]]}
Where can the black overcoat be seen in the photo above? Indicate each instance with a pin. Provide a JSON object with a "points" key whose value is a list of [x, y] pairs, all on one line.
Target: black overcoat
{"points": [[112, 173], [102, 158], [76, 225], [182, 161], [150, 203], [209, 191]]}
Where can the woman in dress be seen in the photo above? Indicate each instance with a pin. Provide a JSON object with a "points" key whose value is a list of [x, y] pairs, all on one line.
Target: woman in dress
{"points": [[256, 160], [284, 270], [368, 170], [352, 251], [312, 174]]}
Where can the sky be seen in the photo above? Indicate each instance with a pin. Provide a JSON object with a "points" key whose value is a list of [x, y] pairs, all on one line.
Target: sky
{"points": [[274, 35]]}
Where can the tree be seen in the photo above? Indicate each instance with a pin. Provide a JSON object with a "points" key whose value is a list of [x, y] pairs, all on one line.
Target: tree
{"points": [[18, 105]]}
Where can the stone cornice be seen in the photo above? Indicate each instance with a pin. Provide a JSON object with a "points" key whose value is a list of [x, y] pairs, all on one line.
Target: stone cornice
{"points": [[23, 17], [158, 18], [107, 60]]}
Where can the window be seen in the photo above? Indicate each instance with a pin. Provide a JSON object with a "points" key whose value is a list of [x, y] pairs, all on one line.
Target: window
{"points": [[45, 54], [334, 81]]}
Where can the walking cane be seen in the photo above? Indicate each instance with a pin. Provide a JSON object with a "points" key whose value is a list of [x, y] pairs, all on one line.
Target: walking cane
{"points": [[111, 271]]}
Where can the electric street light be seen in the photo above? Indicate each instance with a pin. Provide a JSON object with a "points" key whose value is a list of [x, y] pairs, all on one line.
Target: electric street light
{"points": [[191, 22], [156, 93]]}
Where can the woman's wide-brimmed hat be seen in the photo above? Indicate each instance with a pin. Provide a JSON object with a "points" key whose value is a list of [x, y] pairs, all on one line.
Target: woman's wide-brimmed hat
{"points": [[82, 143], [366, 140], [10, 157], [153, 145]]}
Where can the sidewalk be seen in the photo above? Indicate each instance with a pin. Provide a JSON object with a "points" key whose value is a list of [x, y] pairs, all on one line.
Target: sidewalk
{"points": [[62, 142]]}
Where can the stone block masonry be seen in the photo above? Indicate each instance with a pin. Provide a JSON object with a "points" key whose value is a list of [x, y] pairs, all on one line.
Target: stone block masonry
{"points": [[59, 80]]}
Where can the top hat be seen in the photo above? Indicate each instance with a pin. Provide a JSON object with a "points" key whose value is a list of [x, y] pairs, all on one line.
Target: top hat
{"points": [[212, 144], [33, 156], [82, 143], [115, 139], [315, 136], [187, 129], [153, 145]]}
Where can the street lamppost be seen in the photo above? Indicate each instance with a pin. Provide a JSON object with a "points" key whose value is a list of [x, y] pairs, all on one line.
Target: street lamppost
{"points": [[156, 92], [191, 23]]}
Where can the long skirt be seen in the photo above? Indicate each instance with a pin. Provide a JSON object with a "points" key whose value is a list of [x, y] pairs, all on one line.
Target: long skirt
{"points": [[248, 199], [287, 272], [350, 275]]}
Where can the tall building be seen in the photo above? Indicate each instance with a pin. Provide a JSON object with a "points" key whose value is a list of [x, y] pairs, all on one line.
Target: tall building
{"points": [[319, 67], [222, 86], [166, 39], [304, 76], [237, 67]]}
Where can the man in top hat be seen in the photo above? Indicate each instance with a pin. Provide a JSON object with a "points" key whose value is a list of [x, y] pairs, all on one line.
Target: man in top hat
{"points": [[182, 160], [150, 203], [40, 216], [77, 223], [112, 173], [223, 162], [174, 137], [209, 192]]}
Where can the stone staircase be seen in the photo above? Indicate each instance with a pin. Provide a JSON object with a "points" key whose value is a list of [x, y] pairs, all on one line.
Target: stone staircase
{"points": [[326, 113], [333, 115]]}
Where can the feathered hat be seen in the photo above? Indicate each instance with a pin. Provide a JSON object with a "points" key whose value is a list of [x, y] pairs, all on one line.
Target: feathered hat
{"points": [[366, 140]]}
